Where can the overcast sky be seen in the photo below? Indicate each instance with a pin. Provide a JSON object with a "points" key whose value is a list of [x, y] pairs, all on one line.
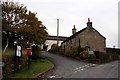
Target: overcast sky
{"points": [[102, 13]]}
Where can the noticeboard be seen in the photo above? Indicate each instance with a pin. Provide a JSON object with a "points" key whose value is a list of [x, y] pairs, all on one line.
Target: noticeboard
{"points": [[19, 51]]}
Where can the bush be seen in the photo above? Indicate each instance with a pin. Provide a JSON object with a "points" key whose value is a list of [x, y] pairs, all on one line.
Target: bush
{"points": [[36, 51], [92, 56], [84, 55], [74, 52], [61, 51], [54, 48], [68, 53]]}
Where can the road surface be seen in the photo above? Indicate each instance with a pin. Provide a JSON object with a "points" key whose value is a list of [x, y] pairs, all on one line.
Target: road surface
{"points": [[70, 68]]}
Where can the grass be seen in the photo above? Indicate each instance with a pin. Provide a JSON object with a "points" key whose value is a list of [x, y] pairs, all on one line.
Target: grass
{"points": [[36, 67], [10, 52]]}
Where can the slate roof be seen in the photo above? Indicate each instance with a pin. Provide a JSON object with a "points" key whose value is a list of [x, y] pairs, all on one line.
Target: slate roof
{"points": [[74, 35]]}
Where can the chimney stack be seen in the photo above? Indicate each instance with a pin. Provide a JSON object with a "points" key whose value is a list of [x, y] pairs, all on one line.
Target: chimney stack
{"points": [[74, 30], [89, 24]]}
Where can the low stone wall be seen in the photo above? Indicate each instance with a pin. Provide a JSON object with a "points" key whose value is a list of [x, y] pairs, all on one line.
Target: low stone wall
{"points": [[106, 57], [10, 65]]}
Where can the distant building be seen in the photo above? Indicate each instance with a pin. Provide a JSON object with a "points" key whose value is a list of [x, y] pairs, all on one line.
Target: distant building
{"points": [[87, 37], [53, 40]]}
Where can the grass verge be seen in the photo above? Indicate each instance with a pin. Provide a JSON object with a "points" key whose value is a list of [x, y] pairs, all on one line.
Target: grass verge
{"points": [[36, 67]]}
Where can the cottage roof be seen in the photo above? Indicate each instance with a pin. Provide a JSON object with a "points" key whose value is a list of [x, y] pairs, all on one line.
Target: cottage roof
{"points": [[74, 35]]}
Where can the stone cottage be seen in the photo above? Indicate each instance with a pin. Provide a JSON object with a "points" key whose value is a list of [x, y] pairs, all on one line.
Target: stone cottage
{"points": [[87, 37]]}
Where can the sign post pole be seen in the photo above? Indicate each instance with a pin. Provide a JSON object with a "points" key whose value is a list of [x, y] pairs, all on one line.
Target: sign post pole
{"points": [[29, 53], [14, 63], [28, 62], [18, 63], [18, 54]]}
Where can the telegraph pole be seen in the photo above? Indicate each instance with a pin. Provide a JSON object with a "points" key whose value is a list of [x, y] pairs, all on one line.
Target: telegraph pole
{"points": [[57, 31], [119, 26]]}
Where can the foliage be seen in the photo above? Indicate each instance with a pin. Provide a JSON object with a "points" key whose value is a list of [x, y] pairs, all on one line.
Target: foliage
{"points": [[68, 53], [9, 57], [86, 55], [74, 52], [36, 51], [21, 25], [35, 68], [10, 52], [54, 48], [92, 56], [61, 51]]}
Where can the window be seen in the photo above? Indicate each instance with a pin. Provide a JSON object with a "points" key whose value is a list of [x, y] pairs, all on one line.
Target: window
{"points": [[70, 41], [79, 43], [71, 47]]}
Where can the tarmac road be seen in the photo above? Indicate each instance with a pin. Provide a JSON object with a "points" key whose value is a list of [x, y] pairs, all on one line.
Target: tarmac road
{"points": [[70, 68]]}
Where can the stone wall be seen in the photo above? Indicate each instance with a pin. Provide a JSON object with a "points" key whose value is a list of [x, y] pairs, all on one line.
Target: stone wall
{"points": [[103, 57], [10, 65]]}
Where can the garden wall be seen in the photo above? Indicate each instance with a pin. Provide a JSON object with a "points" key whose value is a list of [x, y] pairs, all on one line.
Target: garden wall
{"points": [[106, 57], [10, 65]]}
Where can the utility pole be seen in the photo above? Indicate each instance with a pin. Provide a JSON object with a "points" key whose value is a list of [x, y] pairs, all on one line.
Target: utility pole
{"points": [[57, 31], [119, 24]]}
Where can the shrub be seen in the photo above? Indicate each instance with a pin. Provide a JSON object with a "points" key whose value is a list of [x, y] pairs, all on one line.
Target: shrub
{"points": [[91, 57], [54, 48], [74, 52], [36, 51], [84, 55], [68, 53], [61, 51]]}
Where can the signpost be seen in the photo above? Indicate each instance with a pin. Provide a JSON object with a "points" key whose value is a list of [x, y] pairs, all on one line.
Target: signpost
{"points": [[29, 53], [18, 54], [19, 51]]}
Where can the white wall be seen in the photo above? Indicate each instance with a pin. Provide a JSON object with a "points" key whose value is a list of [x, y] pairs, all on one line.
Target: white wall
{"points": [[51, 42]]}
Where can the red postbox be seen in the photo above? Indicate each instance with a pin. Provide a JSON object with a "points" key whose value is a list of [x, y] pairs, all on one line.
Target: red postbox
{"points": [[29, 51]]}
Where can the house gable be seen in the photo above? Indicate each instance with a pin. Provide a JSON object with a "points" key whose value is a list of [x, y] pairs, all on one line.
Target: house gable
{"points": [[88, 36]]}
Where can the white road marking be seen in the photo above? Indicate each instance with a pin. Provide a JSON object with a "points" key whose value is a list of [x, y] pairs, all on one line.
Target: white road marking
{"points": [[52, 77], [76, 68], [93, 65], [83, 67], [86, 65], [76, 71], [80, 67]]}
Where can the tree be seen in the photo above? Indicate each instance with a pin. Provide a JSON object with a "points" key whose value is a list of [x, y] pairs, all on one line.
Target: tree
{"points": [[21, 25]]}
